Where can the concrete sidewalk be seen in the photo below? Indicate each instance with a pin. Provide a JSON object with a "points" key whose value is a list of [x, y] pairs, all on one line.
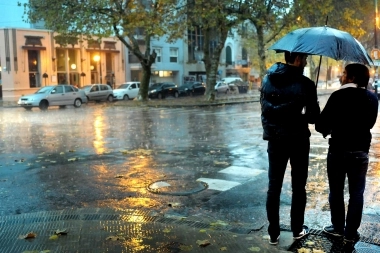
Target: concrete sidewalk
{"points": [[93, 230], [108, 230]]}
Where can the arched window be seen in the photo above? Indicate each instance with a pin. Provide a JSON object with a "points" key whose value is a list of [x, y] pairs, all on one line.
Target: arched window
{"points": [[228, 55]]}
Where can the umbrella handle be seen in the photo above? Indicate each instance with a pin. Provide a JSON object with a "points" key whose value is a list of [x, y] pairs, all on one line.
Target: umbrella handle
{"points": [[319, 68]]}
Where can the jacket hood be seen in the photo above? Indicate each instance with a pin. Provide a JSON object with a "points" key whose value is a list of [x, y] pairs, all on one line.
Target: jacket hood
{"points": [[283, 74]]}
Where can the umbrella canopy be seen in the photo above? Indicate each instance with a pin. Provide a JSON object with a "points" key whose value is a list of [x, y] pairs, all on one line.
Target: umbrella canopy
{"points": [[324, 41]]}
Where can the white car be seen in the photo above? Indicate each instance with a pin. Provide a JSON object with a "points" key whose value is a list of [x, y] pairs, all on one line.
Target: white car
{"points": [[126, 91], [221, 87], [55, 95]]}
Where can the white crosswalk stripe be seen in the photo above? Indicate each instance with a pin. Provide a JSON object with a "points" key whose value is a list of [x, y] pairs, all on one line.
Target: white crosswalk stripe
{"points": [[239, 174]]}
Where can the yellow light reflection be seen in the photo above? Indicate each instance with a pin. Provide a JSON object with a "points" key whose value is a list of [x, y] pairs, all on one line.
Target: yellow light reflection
{"points": [[98, 136]]}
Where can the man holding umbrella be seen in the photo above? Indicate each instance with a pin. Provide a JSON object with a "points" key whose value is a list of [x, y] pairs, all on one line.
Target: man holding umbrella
{"points": [[348, 116], [288, 104]]}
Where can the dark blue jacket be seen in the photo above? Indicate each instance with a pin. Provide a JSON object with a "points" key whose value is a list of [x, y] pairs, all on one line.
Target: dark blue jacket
{"points": [[348, 116], [285, 92]]}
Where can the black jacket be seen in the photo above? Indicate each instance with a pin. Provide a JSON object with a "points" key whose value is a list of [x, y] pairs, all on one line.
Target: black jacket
{"points": [[348, 116], [285, 92]]}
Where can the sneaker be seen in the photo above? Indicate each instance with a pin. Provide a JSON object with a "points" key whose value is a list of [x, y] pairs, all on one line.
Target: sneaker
{"points": [[304, 232], [331, 231], [274, 241]]}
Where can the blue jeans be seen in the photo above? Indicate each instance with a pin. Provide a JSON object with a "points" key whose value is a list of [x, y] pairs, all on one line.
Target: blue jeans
{"points": [[354, 165], [279, 153]]}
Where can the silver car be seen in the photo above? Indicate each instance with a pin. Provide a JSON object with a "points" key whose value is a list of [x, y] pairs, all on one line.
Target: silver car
{"points": [[98, 92], [55, 95], [222, 87]]}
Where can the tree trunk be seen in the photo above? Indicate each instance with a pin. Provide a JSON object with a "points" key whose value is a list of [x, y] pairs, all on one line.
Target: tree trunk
{"points": [[211, 59], [261, 51], [144, 85], [146, 61]]}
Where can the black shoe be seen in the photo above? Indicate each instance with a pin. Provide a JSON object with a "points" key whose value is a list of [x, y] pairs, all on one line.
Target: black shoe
{"points": [[331, 231], [353, 240], [274, 241], [304, 232]]}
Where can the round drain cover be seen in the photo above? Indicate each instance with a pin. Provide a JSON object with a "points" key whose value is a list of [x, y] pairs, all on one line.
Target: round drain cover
{"points": [[177, 187]]}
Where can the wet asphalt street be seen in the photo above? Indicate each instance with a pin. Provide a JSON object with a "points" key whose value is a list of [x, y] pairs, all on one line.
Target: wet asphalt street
{"points": [[103, 155]]}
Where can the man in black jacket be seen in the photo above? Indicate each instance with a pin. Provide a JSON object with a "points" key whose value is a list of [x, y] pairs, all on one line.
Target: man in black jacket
{"points": [[348, 116], [288, 104]]}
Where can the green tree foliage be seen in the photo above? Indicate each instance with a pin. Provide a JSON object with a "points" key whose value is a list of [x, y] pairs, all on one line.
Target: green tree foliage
{"points": [[273, 19], [268, 20], [133, 22], [213, 19]]}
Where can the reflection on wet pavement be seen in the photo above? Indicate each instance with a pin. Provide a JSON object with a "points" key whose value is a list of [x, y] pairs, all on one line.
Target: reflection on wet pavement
{"points": [[108, 156]]}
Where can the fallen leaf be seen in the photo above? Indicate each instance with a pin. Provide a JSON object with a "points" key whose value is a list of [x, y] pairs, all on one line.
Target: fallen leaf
{"points": [[266, 237], [221, 163], [28, 236], [166, 230], [114, 238], [203, 243], [318, 251], [62, 153], [72, 159], [219, 223], [303, 250], [175, 204], [203, 230], [185, 247], [53, 237], [119, 176], [309, 243], [61, 232], [223, 249], [254, 249]]}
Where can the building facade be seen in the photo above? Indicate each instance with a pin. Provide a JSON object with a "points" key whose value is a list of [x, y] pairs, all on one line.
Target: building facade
{"points": [[32, 58]]}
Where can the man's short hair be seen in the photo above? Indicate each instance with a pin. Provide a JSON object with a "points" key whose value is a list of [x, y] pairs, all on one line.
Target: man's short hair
{"points": [[290, 57], [359, 73]]}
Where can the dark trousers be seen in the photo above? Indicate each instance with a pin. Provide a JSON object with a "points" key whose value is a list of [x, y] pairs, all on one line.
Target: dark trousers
{"points": [[279, 153], [354, 165]]}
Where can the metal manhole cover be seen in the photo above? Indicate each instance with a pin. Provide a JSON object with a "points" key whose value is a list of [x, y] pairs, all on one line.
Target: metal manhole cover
{"points": [[177, 187]]}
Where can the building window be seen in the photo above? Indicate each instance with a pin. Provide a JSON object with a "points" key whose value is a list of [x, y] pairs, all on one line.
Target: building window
{"points": [[61, 63], [228, 55], [158, 54], [33, 64], [110, 76], [173, 54], [196, 43]]}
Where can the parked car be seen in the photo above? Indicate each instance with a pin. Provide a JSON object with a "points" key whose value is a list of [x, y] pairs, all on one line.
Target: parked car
{"points": [[162, 90], [98, 92], [192, 88], [228, 80], [126, 91], [54, 95], [221, 87]]}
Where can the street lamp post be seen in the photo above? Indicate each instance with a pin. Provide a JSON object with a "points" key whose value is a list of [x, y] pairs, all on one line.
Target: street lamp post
{"points": [[97, 59]]}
